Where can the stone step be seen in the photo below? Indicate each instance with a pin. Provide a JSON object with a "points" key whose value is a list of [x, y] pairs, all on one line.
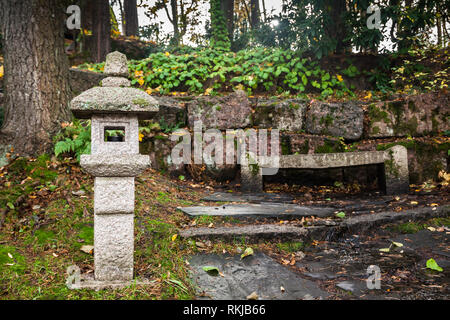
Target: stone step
{"points": [[353, 225], [262, 210], [249, 232], [248, 197]]}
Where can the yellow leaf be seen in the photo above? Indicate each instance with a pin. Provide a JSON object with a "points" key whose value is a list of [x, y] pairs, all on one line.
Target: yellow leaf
{"points": [[141, 81], [140, 137], [174, 237], [208, 91], [369, 95], [414, 202], [339, 77]]}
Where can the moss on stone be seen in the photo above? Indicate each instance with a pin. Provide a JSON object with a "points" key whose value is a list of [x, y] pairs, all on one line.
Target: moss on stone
{"points": [[330, 146], [140, 101]]}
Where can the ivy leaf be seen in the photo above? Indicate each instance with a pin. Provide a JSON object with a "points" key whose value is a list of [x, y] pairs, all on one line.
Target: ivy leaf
{"points": [[340, 214], [247, 252], [213, 271], [432, 264]]}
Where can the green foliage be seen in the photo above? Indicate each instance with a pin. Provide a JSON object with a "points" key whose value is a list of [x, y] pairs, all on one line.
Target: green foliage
{"points": [[255, 70], [74, 139], [290, 247], [422, 69], [219, 33], [11, 260]]}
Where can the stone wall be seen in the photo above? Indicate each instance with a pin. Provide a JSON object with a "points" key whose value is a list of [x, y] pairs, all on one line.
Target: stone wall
{"points": [[317, 127]]}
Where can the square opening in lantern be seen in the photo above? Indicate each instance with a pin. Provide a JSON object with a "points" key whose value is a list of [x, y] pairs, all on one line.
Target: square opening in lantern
{"points": [[114, 134]]}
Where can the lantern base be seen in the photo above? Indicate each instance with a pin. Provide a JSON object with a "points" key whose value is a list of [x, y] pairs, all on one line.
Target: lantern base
{"points": [[87, 281]]}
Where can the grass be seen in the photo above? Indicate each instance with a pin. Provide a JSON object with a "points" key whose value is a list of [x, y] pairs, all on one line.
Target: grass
{"points": [[44, 242], [413, 227]]}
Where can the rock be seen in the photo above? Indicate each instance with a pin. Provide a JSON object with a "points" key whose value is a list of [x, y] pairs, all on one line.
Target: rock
{"points": [[79, 193], [346, 285], [301, 143], [115, 82], [285, 115], [248, 197], [228, 112], [82, 80], [335, 119], [413, 115], [116, 64], [171, 113], [255, 277], [273, 210], [159, 148]]}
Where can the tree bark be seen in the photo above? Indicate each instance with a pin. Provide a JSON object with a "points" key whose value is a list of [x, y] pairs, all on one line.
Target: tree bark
{"points": [[101, 30], [335, 28], [131, 18], [227, 7], [36, 80], [176, 29], [254, 13]]}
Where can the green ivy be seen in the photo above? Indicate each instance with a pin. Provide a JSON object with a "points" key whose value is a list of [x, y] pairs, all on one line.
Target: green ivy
{"points": [[208, 70]]}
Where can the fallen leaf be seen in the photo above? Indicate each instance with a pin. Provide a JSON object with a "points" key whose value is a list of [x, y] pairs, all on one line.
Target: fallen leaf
{"points": [[340, 214], [432, 264], [247, 252], [397, 244], [252, 296], [87, 249], [213, 271], [385, 249], [174, 237]]}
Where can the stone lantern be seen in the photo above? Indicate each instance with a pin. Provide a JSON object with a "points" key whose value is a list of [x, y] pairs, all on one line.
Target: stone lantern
{"points": [[114, 162]]}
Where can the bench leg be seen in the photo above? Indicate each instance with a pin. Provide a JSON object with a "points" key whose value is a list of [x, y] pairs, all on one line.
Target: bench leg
{"points": [[251, 180], [396, 170]]}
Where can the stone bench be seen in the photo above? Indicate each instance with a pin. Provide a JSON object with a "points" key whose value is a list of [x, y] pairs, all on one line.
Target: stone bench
{"points": [[392, 164]]}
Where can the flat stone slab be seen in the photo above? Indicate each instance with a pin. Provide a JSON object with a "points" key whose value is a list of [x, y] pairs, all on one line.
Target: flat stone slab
{"points": [[266, 210], [248, 197], [355, 225], [250, 232], [241, 277]]}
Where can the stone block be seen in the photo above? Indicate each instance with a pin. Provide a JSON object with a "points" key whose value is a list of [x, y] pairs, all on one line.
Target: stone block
{"points": [[116, 64], [108, 165], [228, 112], [396, 170], [113, 247], [113, 195], [115, 82], [343, 119], [284, 115], [414, 115]]}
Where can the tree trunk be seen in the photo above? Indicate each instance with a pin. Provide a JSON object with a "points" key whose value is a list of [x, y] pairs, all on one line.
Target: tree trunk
{"points": [[101, 30], [36, 81], [131, 18], [176, 29], [335, 29], [254, 11], [227, 7]]}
